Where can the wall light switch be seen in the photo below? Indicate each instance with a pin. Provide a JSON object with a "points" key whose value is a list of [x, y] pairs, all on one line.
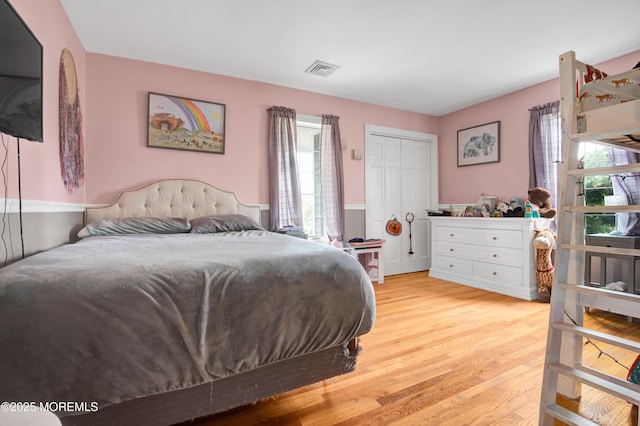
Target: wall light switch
{"points": [[343, 144], [356, 154]]}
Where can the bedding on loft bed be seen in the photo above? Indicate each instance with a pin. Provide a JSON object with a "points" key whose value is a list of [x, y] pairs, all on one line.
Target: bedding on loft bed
{"points": [[609, 90], [603, 105], [145, 306]]}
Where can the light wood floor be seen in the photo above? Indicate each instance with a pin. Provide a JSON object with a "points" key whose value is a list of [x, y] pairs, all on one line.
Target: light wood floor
{"points": [[445, 354]]}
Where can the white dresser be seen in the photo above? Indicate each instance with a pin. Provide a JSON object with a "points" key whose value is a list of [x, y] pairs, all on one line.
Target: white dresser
{"points": [[494, 254]]}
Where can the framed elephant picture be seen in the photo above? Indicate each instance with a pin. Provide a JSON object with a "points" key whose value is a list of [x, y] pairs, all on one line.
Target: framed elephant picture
{"points": [[479, 144]]}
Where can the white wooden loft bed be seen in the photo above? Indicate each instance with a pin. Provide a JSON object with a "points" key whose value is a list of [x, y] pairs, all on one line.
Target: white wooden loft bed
{"points": [[592, 111]]}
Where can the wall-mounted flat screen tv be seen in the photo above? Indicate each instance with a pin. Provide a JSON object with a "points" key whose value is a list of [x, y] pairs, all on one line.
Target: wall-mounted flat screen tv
{"points": [[20, 77]]}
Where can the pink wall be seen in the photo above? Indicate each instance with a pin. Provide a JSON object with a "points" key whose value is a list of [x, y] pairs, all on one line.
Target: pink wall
{"points": [[113, 94], [40, 162], [510, 177], [117, 156]]}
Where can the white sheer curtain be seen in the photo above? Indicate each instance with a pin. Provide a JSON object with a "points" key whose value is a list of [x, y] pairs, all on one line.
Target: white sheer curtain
{"points": [[332, 177], [285, 204], [628, 185], [545, 149]]}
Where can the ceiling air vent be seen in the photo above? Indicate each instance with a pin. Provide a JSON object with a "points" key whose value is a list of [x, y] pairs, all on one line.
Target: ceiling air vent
{"points": [[321, 68]]}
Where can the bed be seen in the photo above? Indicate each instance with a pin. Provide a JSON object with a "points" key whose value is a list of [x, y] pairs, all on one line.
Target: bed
{"points": [[602, 104], [177, 304]]}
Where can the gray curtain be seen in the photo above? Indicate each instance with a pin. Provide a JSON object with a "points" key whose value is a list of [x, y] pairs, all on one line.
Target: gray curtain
{"points": [[332, 177], [285, 204], [628, 185], [545, 149]]}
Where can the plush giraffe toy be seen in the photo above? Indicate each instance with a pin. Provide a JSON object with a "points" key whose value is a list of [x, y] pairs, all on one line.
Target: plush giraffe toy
{"points": [[543, 242]]}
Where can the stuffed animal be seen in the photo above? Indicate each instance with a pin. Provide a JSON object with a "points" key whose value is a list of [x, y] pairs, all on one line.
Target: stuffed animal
{"points": [[455, 212], [517, 207], [513, 209], [502, 208], [540, 197], [543, 242]]}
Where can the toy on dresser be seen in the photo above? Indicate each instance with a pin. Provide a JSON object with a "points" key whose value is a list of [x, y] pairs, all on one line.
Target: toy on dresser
{"points": [[539, 200], [513, 209]]}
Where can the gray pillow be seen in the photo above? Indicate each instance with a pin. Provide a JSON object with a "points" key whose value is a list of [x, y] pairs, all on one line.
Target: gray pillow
{"points": [[136, 225], [224, 223]]}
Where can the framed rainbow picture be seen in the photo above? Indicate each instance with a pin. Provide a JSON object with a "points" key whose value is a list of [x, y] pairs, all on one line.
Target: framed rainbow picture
{"points": [[188, 124]]}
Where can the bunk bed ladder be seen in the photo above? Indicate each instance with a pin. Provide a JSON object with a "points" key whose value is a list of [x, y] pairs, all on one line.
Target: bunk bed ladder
{"points": [[563, 368]]}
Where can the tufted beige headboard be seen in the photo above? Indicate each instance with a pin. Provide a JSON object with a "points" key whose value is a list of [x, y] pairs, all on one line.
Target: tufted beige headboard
{"points": [[173, 198]]}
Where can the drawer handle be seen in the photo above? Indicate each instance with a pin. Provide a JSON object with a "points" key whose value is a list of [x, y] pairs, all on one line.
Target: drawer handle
{"points": [[495, 238], [494, 273], [495, 255], [451, 235], [450, 266], [450, 249]]}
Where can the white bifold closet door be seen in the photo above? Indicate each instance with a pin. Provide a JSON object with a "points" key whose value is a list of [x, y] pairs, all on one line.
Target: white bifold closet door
{"points": [[401, 178]]}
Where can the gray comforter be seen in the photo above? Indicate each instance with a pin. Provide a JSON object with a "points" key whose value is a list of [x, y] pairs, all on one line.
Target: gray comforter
{"points": [[114, 318]]}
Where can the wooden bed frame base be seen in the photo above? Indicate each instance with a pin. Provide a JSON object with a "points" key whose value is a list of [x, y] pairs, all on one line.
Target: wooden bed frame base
{"points": [[224, 394]]}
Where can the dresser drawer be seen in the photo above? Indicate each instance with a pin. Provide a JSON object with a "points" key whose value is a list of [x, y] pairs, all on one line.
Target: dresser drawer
{"points": [[447, 248], [453, 264], [458, 235], [499, 255], [499, 238], [502, 274]]}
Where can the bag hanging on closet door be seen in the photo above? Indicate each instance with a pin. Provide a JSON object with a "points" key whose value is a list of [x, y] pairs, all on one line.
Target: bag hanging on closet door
{"points": [[394, 227]]}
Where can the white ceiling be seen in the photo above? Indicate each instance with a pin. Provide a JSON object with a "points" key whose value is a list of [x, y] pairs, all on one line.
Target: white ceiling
{"points": [[428, 56]]}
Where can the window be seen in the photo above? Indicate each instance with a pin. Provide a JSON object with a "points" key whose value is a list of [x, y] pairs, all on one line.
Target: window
{"points": [[597, 188], [308, 130]]}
